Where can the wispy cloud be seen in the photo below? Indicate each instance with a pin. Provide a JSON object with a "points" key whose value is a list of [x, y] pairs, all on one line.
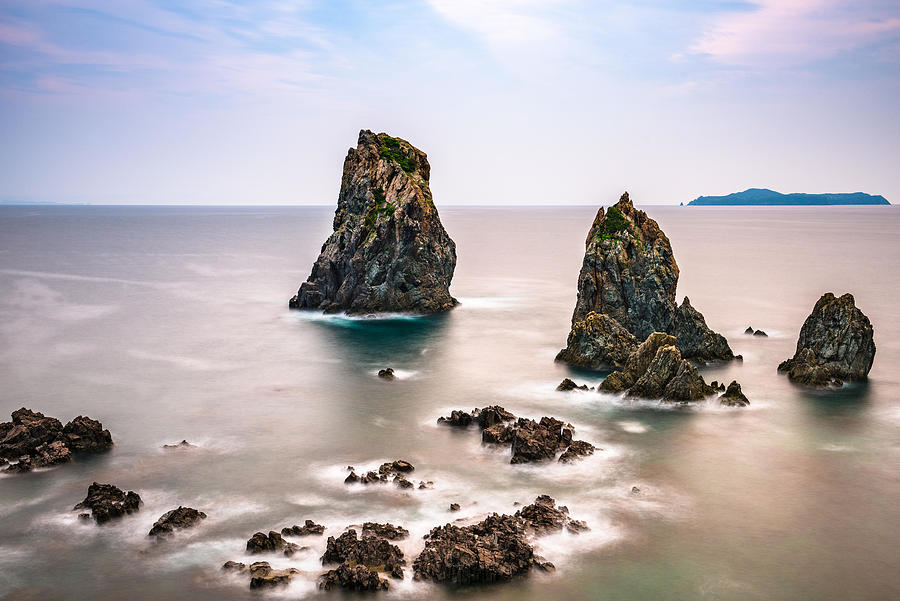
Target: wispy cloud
{"points": [[506, 23], [788, 33]]}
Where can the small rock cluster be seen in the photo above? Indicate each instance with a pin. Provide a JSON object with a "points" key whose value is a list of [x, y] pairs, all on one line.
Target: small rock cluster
{"points": [[107, 502], [176, 519], [271, 543], [34, 440], [751, 332], [394, 471], [529, 440]]}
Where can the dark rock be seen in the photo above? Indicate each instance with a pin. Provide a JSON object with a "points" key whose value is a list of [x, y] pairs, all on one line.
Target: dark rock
{"points": [[733, 396], [495, 414], [176, 519], [235, 566], [385, 531], [715, 385], [386, 374], [22, 466], [596, 341], [181, 445], [577, 450], [457, 418], [373, 552], [402, 466], [27, 431], [356, 578], [86, 435], [687, 385], [760, 333], [403, 482], [749, 331], [389, 251], [454, 506], [629, 274], [637, 364], [498, 434], [270, 543], [635, 490], [567, 385], [309, 528], [351, 478], [262, 575], [51, 453], [538, 441], [836, 344], [695, 340], [543, 517], [493, 550], [107, 502]]}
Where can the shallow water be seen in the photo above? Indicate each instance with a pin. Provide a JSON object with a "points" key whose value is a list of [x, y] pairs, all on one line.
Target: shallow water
{"points": [[172, 323]]}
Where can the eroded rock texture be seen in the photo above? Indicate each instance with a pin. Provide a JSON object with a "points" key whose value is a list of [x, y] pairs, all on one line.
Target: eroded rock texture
{"points": [[836, 344], [36, 440], [627, 286], [389, 251]]}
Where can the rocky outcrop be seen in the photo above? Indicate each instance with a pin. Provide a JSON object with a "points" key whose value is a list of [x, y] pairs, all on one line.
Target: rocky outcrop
{"points": [[597, 341], [485, 418], [271, 543], [357, 578], [385, 531], [656, 370], [374, 552], [36, 440], [496, 549], [107, 502], [627, 286], [262, 575], [180, 445], [733, 396], [577, 449], [176, 519], [394, 471], [387, 374], [568, 385], [389, 251], [308, 528], [836, 344]]}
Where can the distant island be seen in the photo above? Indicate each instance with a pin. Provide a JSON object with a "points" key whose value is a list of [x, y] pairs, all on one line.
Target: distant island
{"points": [[764, 197]]}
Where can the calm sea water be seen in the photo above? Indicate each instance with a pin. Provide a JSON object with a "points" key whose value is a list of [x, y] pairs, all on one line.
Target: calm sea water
{"points": [[172, 323]]}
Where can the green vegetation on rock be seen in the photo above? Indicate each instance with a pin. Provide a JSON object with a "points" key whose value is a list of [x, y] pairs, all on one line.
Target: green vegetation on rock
{"points": [[391, 150], [380, 207]]}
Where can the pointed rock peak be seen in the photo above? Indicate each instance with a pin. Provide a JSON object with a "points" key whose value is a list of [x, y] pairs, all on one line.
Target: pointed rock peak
{"points": [[625, 203], [686, 302]]}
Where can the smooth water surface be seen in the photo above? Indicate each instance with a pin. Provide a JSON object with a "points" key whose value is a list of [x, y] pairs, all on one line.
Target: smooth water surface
{"points": [[172, 323]]}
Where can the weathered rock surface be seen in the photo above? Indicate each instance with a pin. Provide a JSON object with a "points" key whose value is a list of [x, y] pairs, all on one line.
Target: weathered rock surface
{"points": [[836, 344], [493, 550], [262, 575], [543, 517], [388, 472], [374, 552], [760, 333], [308, 528], [628, 279], [385, 531], [176, 519], [567, 385], [387, 374], [356, 578], [733, 396], [657, 370], [107, 502], [577, 449], [271, 543], [457, 418], [389, 251], [596, 341], [44, 441]]}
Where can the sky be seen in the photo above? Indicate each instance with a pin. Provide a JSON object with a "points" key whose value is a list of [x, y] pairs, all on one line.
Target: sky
{"points": [[545, 102]]}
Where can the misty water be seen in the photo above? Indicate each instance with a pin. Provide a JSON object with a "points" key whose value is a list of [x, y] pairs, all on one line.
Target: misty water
{"points": [[172, 323]]}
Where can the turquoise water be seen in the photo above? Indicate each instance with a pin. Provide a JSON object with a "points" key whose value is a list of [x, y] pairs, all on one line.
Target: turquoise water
{"points": [[172, 323]]}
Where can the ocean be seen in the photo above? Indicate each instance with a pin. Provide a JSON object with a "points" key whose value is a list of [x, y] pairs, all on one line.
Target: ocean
{"points": [[171, 323]]}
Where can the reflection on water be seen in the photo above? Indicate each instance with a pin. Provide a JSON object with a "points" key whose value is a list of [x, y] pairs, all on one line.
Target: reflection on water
{"points": [[172, 323]]}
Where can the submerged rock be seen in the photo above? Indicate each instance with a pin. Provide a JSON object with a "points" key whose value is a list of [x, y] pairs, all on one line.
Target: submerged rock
{"points": [[627, 286], [836, 344], [596, 341], [309, 528], [760, 333], [36, 440], [357, 578], [176, 519], [373, 552], [107, 502], [454, 506], [387, 374], [262, 575], [749, 331], [733, 396], [389, 250], [180, 445], [387, 472], [543, 517], [460, 419], [566, 385], [271, 543], [577, 449]]}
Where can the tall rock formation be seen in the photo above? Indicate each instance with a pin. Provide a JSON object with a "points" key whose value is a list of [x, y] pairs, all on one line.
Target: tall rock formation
{"points": [[389, 251], [836, 344], [629, 274]]}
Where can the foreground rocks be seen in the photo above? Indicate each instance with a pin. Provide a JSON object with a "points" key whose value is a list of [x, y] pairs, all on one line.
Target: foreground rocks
{"points": [[262, 575], [627, 287], [529, 440], [107, 502], [494, 550], [176, 519], [733, 396], [835, 345], [372, 551], [271, 543], [389, 250], [35, 440]]}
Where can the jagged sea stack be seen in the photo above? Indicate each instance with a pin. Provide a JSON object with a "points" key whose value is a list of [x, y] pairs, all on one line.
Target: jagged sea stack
{"points": [[836, 344], [389, 251], [629, 275]]}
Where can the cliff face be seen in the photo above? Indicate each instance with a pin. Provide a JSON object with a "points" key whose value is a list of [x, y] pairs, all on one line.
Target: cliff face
{"points": [[389, 251], [629, 274]]}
